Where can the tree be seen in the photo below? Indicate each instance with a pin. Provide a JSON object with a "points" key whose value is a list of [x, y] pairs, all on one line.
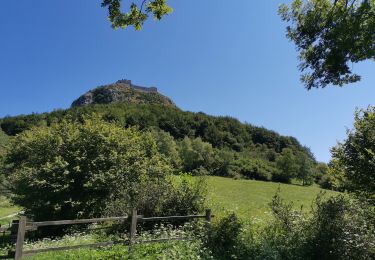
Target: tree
{"points": [[305, 169], [287, 167], [196, 154], [167, 146], [329, 36], [137, 14], [353, 161], [84, 169]]}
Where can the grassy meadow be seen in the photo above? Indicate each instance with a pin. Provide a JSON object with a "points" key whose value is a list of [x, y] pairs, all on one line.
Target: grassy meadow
{"points": [[250, 199], [6, 209]]}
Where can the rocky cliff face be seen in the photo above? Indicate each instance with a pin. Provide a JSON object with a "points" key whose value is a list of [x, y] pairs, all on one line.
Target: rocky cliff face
{"points": [[122, 91]]}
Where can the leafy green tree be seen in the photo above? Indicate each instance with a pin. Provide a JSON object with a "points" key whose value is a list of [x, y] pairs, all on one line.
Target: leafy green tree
{"points": [[167, 146], [78, 169], [321, 169], [251, 168], [305, 171], [287, 167], [137, 13], [331, 35], [323, 176], [353, 161], [196, 154]]}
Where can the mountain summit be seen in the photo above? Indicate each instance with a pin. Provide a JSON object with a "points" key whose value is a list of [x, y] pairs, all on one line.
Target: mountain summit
{"points": [[123, 91]]}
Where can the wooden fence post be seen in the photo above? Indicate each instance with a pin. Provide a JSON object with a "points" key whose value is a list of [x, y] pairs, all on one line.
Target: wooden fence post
{"points": [[133, 232], [20, 237], [208, 215], [208, 223], [133, 226]]}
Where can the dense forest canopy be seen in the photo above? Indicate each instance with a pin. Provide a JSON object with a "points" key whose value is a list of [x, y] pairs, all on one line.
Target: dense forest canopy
{"points": [[221, 132], [205, 144]]}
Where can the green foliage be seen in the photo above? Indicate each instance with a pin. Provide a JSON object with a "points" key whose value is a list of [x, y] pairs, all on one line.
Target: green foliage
{"points": [[353, 161], [168, 147], [294, 164], [287, 167], [4, 140], [326, 182], [15, 125], [250, 168], [137, 14], [225, 238], [82, 169], [196, 154], [206, 144], [330, 36], [336, 228], [305, 170], [321, 169], [192, 249]]}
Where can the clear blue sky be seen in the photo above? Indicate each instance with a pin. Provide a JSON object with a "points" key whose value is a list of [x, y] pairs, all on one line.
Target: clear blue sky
{"points": [[219, 57]]}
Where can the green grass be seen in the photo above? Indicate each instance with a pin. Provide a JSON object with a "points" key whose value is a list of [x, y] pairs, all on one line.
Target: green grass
{"points": [[7, 208], [250, 199]]}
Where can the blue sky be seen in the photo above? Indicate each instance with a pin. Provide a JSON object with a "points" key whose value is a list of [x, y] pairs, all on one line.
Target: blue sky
{"points": [[219, 57]]}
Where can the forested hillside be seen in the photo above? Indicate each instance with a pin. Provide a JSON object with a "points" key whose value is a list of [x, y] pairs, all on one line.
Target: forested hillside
{"points": [[197, 142], [4, 139]]}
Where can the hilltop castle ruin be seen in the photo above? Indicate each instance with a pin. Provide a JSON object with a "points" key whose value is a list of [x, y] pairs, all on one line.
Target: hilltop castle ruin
{"points": [[128, 82]]}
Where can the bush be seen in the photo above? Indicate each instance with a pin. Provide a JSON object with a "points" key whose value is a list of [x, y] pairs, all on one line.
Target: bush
{"points": [[326, 182], [196, 154], [77, 170], [224, 239], [255, 169], [337, 228]]}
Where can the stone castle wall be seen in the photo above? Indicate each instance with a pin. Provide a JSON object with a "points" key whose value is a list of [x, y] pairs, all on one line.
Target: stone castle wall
{"points": [[141, 88]]}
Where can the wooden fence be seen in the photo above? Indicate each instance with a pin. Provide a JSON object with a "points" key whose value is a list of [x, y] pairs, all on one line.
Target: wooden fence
{"points": [[19, 229]]}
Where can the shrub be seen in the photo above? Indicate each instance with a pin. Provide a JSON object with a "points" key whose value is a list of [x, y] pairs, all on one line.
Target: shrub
{"points": [[326, 182], [224, 239], [195, 154], [338, 228], [167, 146], [82, 169], [192, 249], [255, 169]]}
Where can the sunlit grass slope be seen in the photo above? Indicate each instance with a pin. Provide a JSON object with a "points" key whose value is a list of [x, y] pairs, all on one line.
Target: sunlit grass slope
{"points": [[6, 209], [250, 199]]}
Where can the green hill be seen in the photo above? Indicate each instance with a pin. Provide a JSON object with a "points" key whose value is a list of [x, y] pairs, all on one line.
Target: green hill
{"points": [[219, 145]]}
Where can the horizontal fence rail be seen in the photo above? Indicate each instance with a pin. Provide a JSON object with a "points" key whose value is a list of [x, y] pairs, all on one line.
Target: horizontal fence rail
{"points": [[22, 226]]}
